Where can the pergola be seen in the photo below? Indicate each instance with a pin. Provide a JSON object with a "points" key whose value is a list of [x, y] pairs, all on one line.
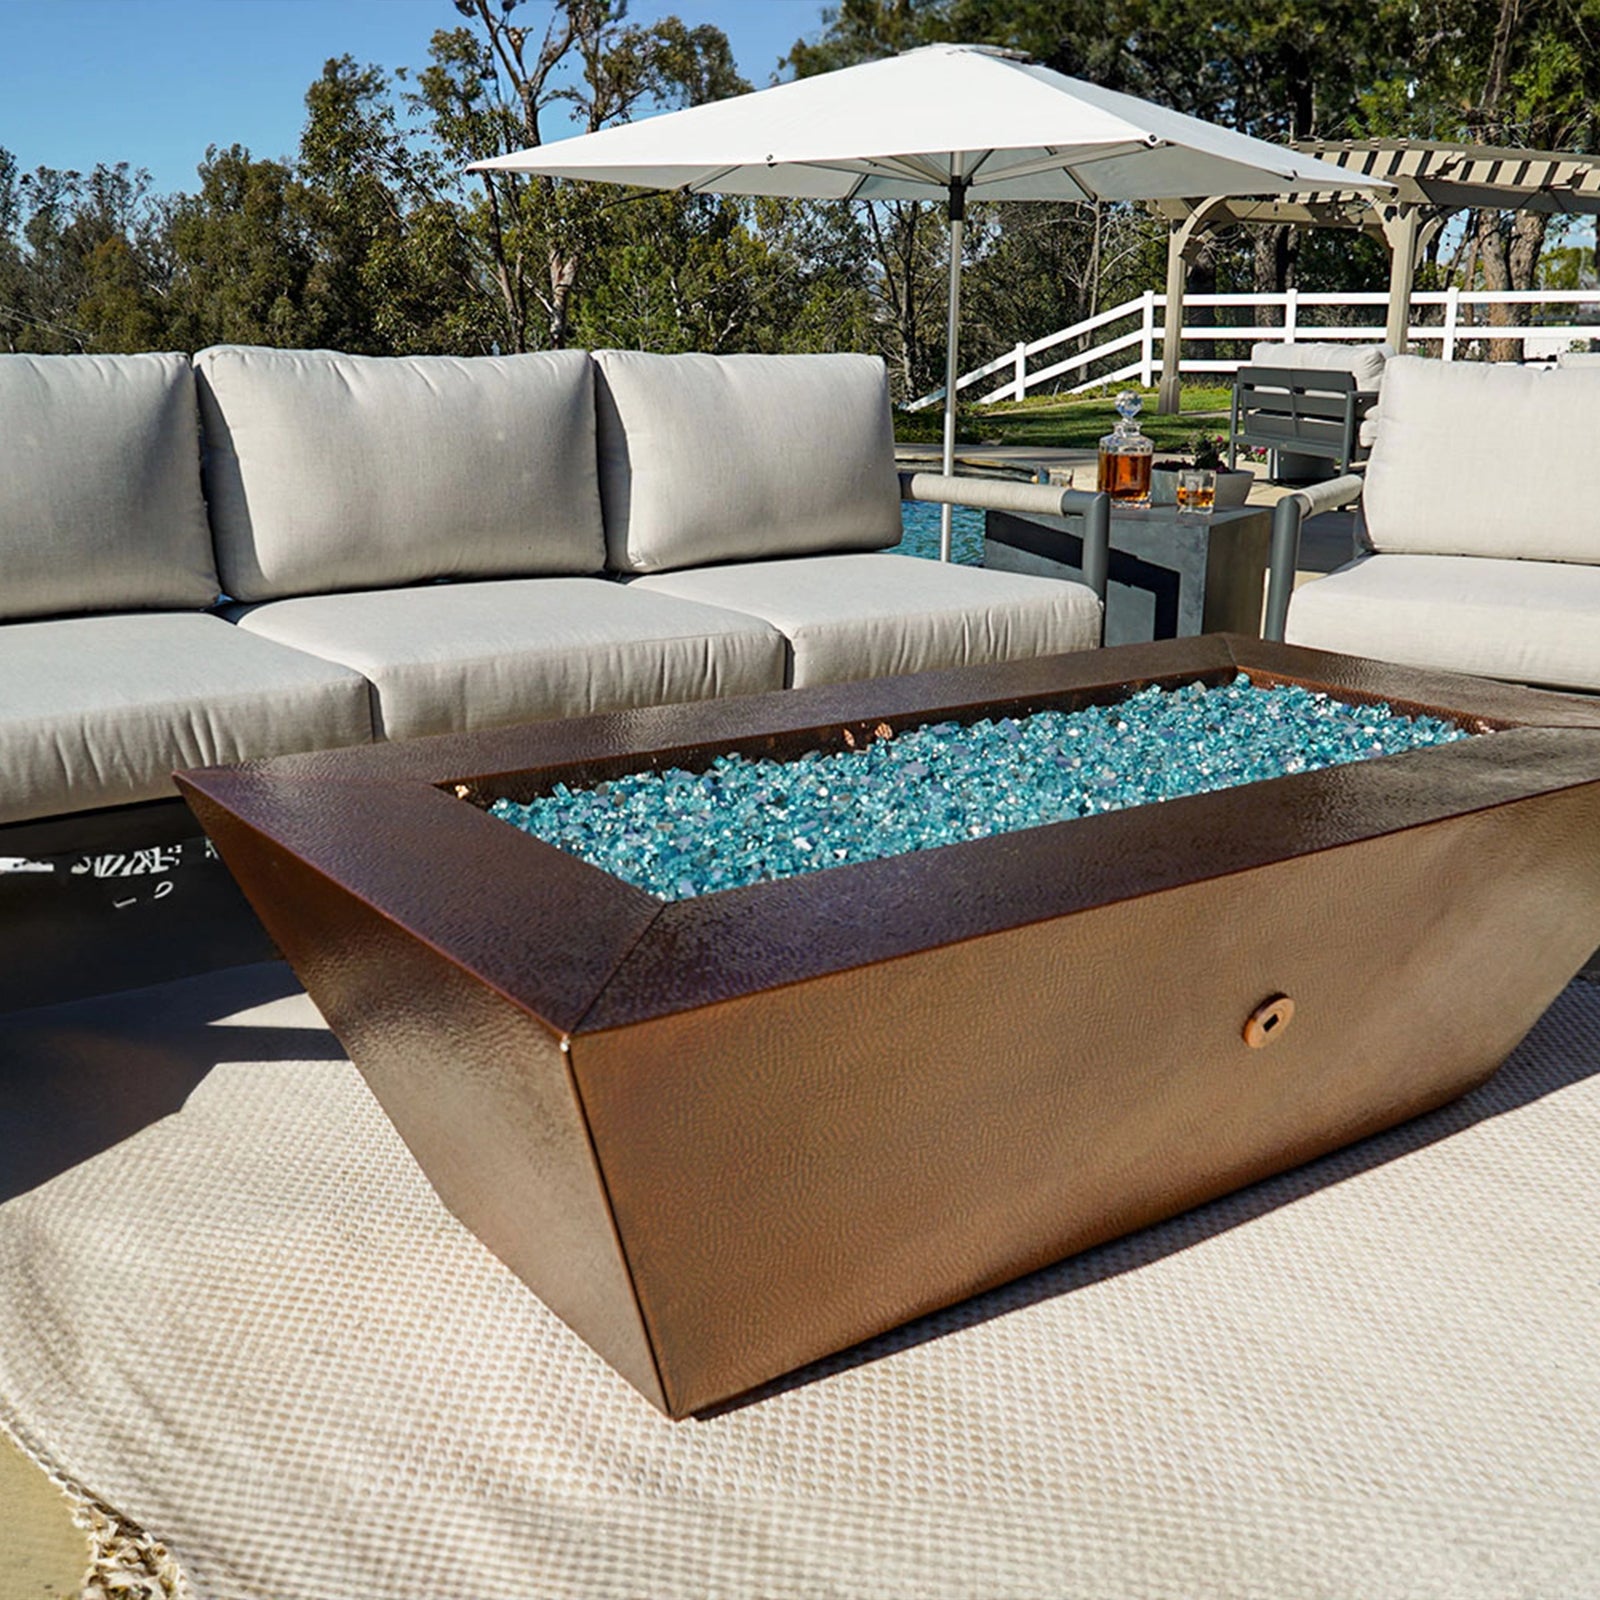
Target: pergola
{"points": [[1430, 182]]}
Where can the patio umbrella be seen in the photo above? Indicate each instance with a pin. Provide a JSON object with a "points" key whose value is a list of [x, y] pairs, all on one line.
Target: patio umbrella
{"points": [[946, 120]]}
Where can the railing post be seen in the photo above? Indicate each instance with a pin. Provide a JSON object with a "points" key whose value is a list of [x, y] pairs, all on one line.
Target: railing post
{"points": [[1452, 309], [1291, 315], [1019, 360], [1147, 340]]}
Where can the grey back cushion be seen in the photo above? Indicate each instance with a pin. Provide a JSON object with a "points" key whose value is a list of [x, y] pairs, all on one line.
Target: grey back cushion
{"points": [[1482, 459], [329, 471], [1364, 362], [727, 458], [100, 503]]}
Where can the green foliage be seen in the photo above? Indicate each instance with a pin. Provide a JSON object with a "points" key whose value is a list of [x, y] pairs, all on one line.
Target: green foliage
{"points": [[83, 264], [864, 30], [244, 255]]}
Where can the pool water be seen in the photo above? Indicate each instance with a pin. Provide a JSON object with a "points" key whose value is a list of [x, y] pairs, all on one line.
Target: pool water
{"points": [[921, 523]]}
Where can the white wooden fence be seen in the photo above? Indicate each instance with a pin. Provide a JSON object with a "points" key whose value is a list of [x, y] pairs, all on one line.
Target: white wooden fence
{"points": [[1454, 319]]}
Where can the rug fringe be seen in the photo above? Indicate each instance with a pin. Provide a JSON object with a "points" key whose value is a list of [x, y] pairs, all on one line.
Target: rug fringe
{"points": [[126, 1563]]}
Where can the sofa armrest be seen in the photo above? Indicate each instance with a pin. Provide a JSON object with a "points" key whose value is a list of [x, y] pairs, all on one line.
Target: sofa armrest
{"points": [[986, 494], [1287, 516], [1036, 499]]}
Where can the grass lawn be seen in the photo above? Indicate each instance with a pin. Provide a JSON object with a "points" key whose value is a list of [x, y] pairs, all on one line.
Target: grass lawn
{"points": [[1071, 421]]}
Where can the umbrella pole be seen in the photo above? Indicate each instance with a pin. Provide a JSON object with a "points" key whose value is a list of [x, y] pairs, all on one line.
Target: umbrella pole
{"points": [[958, 217]]}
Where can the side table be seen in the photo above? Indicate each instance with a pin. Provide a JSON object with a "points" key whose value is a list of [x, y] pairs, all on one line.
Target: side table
{"points": [[1171, 575]]}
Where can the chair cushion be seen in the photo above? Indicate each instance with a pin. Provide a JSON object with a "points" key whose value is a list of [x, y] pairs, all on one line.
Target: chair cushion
{"points": [[100, 503], [723, 458], [99, 711], [1527, 621], [1479, 459], [453, 657], [869, 616], [329, 471], [1578, 358], [1365, 362]]}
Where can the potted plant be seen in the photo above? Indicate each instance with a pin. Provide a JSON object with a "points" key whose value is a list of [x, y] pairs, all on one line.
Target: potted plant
{"points": [[1208, 450]]}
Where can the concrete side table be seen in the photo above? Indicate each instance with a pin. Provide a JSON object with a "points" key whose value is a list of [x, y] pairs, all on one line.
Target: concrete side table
{"points": [[1171, 576]]}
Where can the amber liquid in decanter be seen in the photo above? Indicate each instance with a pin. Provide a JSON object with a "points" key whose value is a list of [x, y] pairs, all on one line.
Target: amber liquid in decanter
{"points": [[1125, 477]]}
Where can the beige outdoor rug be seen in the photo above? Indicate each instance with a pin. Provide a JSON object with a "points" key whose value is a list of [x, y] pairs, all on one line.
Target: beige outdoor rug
{"points": [[253, 1331]]}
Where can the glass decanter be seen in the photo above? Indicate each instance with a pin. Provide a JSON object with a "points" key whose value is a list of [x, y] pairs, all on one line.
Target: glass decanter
{"points": [[1126, 455]]}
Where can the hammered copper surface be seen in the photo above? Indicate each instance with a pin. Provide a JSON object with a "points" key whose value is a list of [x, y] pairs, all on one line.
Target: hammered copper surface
{"points": [[725, 1136]]}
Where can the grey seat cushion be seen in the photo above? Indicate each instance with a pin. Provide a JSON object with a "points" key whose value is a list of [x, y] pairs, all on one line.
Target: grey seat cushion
{"points": [[452, 657], [726, 458], [99, 711], [873, 615], [100, 503], [1478, 458], [329, 471], [1528, 621]]}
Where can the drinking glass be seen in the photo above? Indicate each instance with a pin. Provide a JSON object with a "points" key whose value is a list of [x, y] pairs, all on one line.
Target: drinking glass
{"points": [[1197, 490]]}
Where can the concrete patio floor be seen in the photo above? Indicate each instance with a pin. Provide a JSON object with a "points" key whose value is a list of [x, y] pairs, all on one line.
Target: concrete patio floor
{"points": [[43, 1553]]}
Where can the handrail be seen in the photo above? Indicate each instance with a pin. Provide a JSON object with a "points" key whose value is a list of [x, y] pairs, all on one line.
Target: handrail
{"points": [[1449, 332]]}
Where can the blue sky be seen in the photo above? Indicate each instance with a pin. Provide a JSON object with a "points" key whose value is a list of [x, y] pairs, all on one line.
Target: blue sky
{"points": [[153, 82]]}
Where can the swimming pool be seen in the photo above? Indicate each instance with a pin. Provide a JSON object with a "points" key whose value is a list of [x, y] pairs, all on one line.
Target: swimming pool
{"points": [[921, 522]]}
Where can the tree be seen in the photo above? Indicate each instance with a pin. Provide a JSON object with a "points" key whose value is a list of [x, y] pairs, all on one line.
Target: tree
{"points": [[1509, 72], [15, 278], [489, 90], [900, 244], [243, 256], [82, 262], [391, 263]]}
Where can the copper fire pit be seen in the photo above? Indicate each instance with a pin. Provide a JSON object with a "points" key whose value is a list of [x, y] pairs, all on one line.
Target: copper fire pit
{"points": [[725, 1136]]}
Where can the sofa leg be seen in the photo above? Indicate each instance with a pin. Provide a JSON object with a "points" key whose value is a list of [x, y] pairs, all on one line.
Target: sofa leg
{"points": [[1286, 518]]}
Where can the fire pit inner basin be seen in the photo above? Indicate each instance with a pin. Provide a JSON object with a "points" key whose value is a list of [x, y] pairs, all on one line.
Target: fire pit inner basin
{"points": [[677, 833], [730, 1134]]}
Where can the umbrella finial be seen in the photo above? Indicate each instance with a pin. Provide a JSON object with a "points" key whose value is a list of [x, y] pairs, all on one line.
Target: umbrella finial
{"points": [[999, 51]]}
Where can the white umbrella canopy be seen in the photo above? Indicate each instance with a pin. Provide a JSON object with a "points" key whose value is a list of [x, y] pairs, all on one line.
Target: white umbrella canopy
{"points": [[948, 121]]}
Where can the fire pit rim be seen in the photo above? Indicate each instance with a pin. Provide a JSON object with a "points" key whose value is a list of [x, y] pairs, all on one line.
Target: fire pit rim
{"points": [[644, 958]]}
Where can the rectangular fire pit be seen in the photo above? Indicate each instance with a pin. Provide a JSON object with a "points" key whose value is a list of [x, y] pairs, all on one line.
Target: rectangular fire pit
{"points": [[724, 1136]]}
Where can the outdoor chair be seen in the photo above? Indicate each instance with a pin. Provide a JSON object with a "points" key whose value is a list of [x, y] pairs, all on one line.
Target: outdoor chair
{"points": [[1307, 404], [1478, 535]]}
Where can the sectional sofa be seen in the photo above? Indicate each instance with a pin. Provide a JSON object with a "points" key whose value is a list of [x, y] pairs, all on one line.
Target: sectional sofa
{"points": [[264, 551], [1479, 529]]}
